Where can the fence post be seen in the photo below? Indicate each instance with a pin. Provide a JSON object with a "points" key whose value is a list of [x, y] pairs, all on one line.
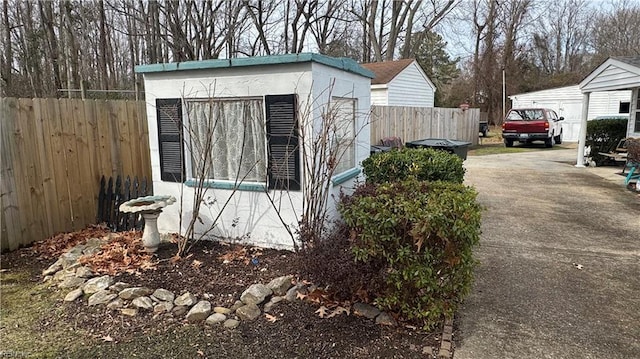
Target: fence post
{"points": [[101, 199]]}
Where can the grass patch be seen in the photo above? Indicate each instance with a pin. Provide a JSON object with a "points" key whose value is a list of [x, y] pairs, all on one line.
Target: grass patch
{"points": [[33, 325], [493, 145], [500, 148], [25, 331], [176, 342], [493, 149]]}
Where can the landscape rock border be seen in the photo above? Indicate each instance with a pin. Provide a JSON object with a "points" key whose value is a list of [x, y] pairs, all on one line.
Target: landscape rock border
{"points": [[446, 349], [130, 300]]}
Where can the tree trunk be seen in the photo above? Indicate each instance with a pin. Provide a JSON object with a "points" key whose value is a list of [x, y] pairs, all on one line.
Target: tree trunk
{"points": [[399, 11], [259, 24], [102, 62], [8, 52], [73, 67], [46, 13], [32, 46], [373, 38]]}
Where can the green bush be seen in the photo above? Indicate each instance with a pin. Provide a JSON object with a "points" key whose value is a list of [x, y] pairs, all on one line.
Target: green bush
{"points": [[424, 233], [421, 164], [604, 136]]}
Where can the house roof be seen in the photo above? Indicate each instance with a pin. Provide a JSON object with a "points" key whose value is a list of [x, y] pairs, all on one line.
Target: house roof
{"points": [[343, 63], [616, 73], [631, 60], [553, 90], [386, 71]]}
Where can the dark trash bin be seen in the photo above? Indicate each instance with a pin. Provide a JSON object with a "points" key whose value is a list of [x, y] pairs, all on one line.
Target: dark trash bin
{"points": [[456, 147], [377, 149]]}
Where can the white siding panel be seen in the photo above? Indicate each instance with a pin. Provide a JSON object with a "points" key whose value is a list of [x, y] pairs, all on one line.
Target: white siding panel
{"points": [[612, 73], [567, 92], [379, 97], [343, 84], [410, 88], [607, 103], [611, 78]]}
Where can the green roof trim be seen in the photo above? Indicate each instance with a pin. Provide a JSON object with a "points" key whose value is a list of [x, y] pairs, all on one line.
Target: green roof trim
{"points": [[251, 187], [341, 63], [345, 176]]}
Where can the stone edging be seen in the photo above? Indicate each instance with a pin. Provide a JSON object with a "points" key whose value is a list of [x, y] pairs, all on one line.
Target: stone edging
{"points": [[130, 300], [446, 344]]}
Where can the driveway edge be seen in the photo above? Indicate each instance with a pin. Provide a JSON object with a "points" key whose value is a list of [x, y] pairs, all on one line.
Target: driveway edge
{"points": [[446, 349]]}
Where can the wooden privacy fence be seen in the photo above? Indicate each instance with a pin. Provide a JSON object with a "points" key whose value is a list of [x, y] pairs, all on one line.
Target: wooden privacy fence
{"points": [[416, 123], [54, 152]]}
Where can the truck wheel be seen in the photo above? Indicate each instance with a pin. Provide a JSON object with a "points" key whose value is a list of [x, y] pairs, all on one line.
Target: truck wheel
{"points": [[558, 139], [548, 143], [508, 143]]}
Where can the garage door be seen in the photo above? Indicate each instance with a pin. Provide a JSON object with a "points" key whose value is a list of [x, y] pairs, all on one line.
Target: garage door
{"points": [[571, 111]]}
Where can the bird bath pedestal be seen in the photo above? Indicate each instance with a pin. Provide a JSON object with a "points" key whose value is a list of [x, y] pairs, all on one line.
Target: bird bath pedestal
{"points": [[150, 208]]}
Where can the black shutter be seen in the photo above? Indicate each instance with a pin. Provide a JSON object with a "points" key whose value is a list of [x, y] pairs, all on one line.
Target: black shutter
{"points": [[282, 136], [169, 113]]}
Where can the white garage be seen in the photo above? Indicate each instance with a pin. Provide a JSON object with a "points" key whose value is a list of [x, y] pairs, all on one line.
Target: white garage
{"points": [[567, 102]]}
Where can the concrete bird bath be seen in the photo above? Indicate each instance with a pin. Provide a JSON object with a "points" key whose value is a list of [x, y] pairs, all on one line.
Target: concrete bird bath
{"points": [[150, 208]]}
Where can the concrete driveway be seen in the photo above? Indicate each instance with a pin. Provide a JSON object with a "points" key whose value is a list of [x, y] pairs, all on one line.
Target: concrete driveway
{"points": [[529, 299]]}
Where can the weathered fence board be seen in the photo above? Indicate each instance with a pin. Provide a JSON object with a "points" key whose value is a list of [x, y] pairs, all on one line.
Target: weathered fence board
{"points": [[9, 195], [415, 123], [54, 152]]}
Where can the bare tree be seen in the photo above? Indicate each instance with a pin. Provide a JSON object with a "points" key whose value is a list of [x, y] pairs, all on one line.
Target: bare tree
{"points": [[7, 58], [513, 16], [484, 17], [262, 17], [499, 46], [324, 21], [323, 147], [615, 32], [560, 42], [73, 52], [47, 16], [390, 27], [103, 48], [297, 24]]}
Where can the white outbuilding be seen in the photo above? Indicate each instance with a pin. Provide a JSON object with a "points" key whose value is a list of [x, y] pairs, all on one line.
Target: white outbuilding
{"points": [[567, 102], [400, 83], [615, 74], [247, 132]]}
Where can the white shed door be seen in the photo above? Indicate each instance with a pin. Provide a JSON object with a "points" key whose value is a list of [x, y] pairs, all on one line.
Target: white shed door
{"points": [[571, 111]]}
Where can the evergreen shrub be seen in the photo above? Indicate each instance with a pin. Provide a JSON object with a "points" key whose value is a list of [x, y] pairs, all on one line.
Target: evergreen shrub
{"points": [[422, 164], [424, 233]]}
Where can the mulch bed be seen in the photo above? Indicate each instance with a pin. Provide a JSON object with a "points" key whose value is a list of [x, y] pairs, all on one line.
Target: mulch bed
{"points": [[219, 273]]}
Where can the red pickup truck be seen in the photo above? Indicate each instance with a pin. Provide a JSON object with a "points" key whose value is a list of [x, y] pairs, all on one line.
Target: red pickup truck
{"points": [[532, 124]]}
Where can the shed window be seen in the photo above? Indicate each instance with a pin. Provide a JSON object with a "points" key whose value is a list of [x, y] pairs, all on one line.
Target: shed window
{"points": [[232, 141], [227, 139], [624, 107], [343, 117]]}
